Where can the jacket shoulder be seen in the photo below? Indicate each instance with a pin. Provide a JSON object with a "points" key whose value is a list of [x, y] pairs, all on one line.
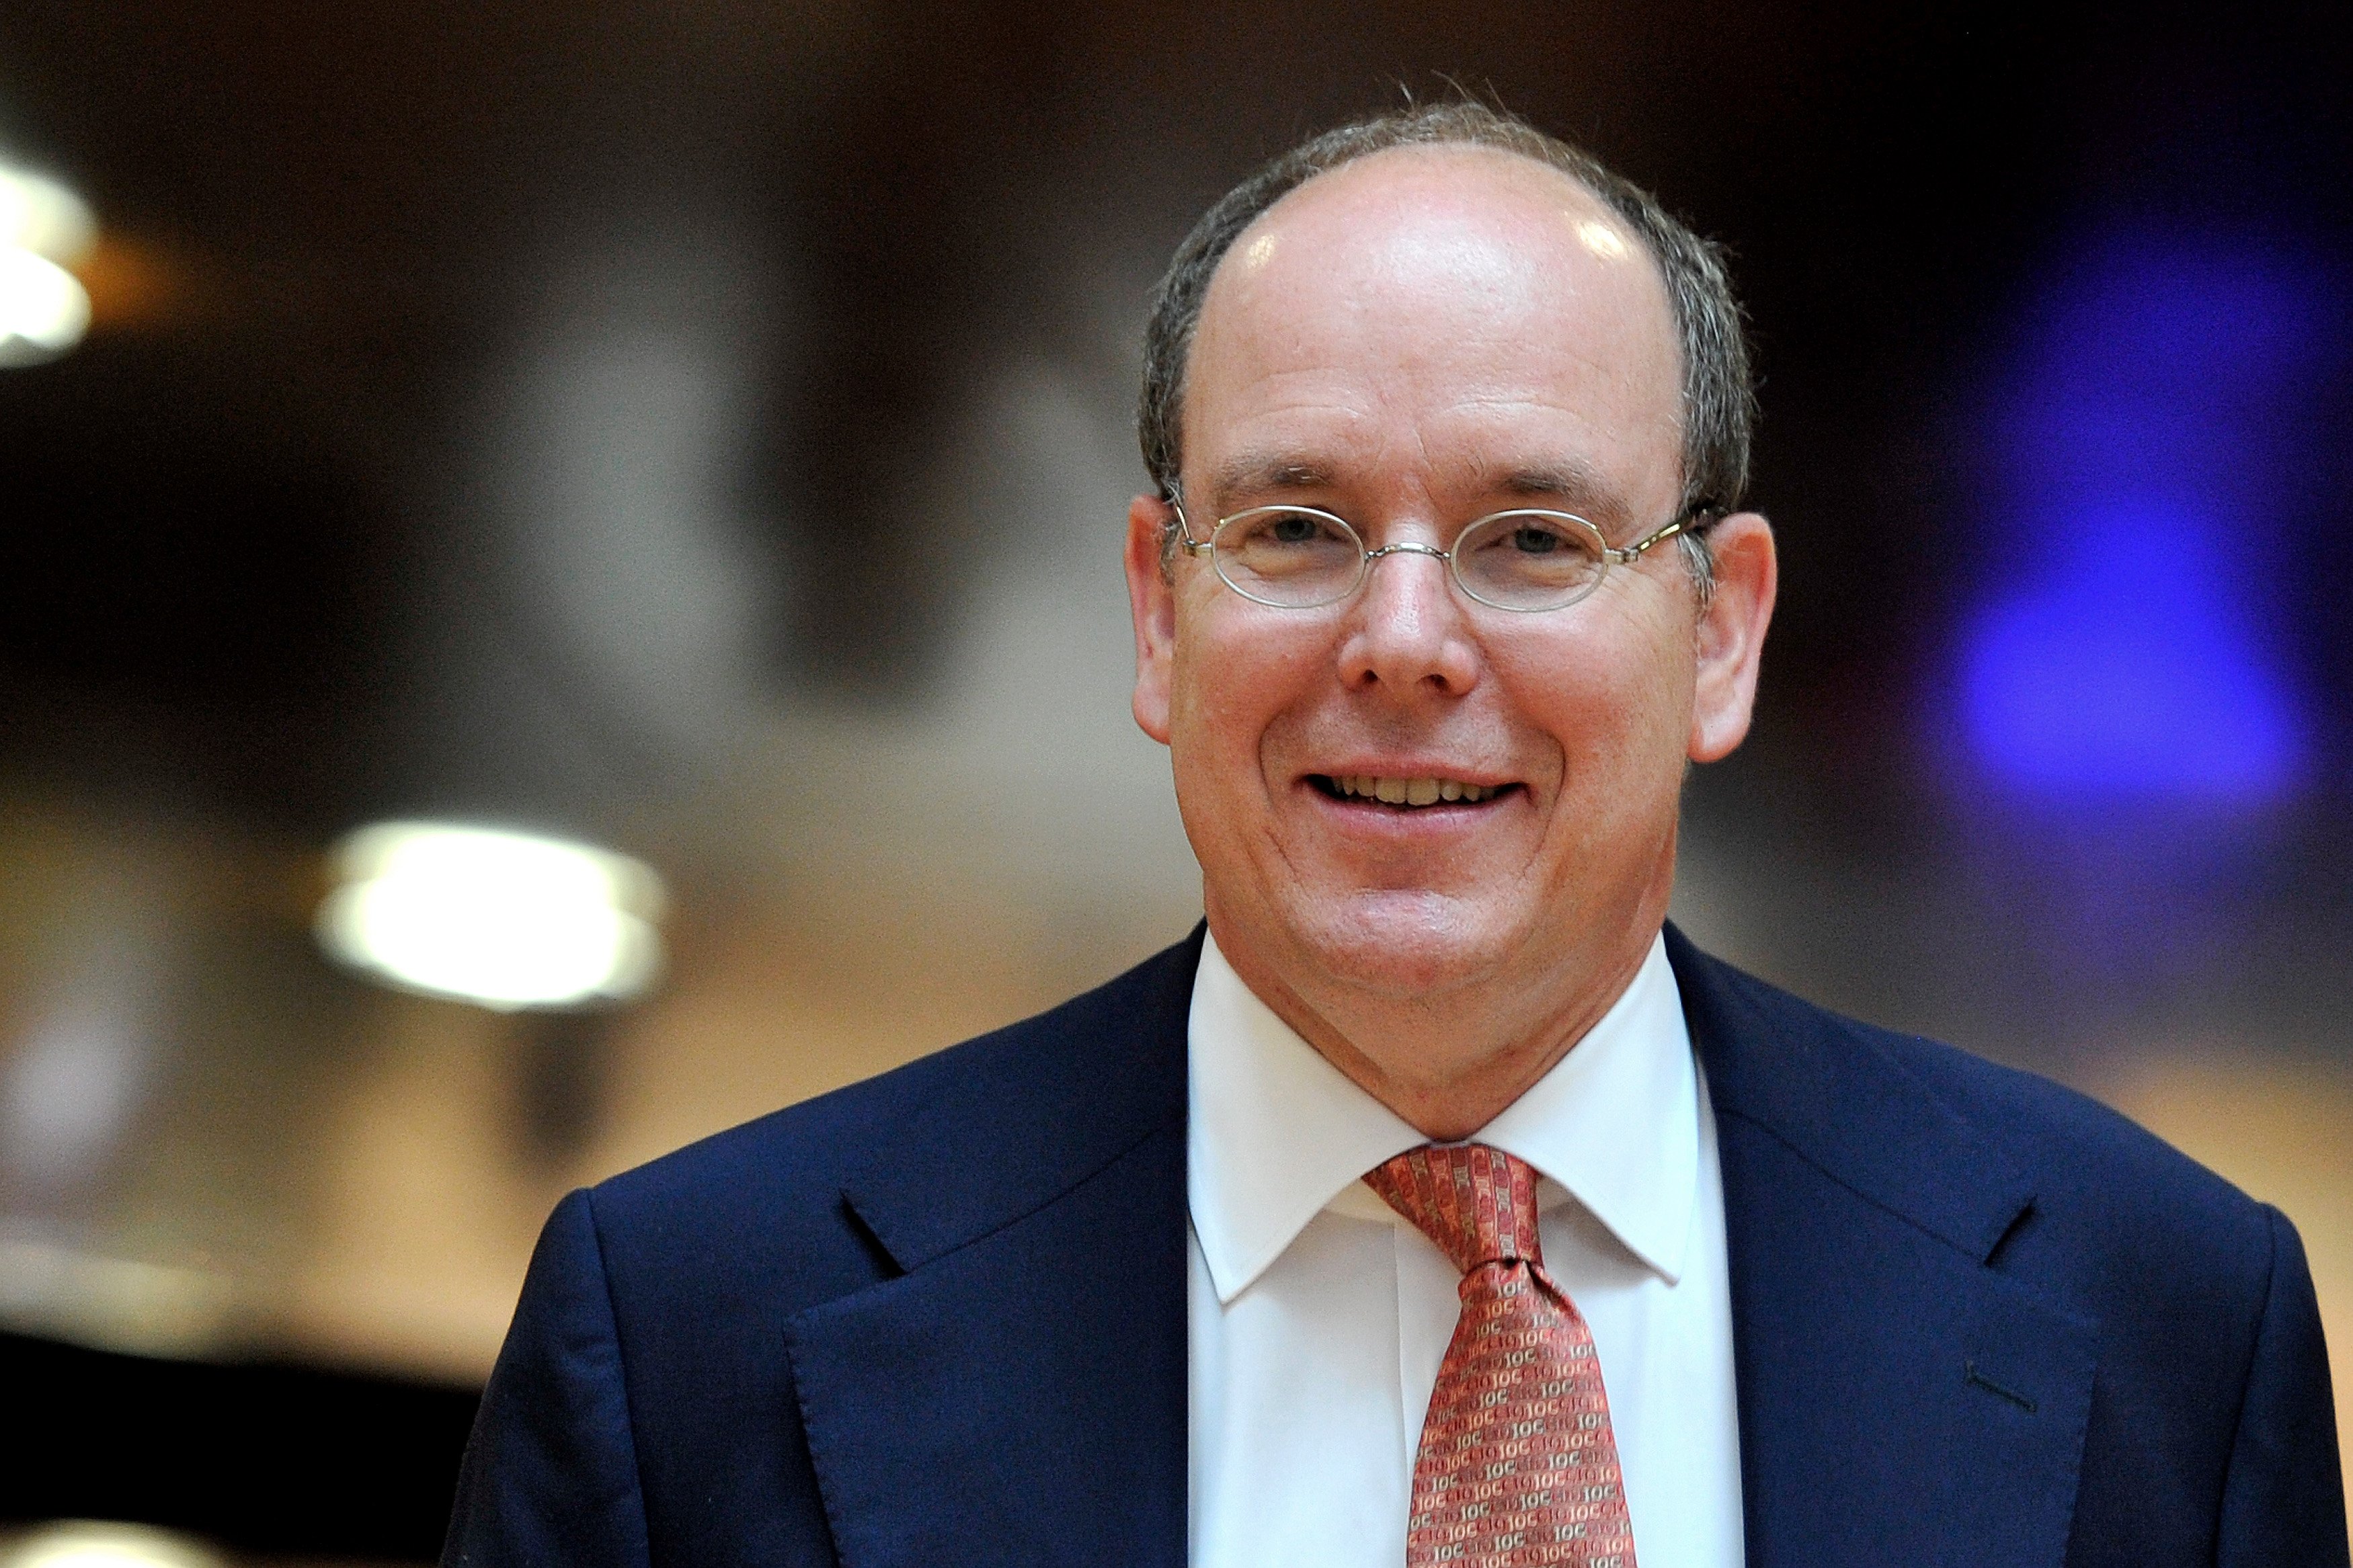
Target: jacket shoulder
{"points": [[2116, 1208], [1080, 1082], [2100, 1195]]}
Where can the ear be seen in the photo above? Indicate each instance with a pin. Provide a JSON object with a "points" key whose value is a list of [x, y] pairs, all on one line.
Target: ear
{"points": [[1731, 633], [1152, 600]]}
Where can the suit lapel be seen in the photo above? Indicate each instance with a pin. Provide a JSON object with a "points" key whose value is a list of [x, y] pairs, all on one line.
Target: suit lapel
{"points": [[1018, 1393], [1901, 1401]]}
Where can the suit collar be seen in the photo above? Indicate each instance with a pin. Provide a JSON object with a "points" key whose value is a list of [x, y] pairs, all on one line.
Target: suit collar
{"points": [[1017, 1393], [1901, 1400], [1006, 1124], [1812, 1080]]}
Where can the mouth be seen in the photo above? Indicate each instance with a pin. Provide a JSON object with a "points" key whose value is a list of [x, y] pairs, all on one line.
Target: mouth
{"points": [[1405, 794]]}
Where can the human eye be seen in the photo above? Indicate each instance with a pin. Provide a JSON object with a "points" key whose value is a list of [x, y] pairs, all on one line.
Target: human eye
{"points": [[1537, 536], [1289, 555], [1527, 559], [1527, 533], [1274, 536]]}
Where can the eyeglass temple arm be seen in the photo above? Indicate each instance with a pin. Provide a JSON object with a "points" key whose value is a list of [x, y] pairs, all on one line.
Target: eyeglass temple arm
{"points": [[1181, 530], [1694, 517]]}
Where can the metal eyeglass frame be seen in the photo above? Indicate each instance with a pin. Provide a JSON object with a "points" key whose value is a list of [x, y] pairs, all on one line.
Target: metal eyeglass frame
{"points": [[1688, 521]]}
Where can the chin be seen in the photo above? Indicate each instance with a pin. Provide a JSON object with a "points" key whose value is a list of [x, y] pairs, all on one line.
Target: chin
{"points": [[1400, 944]]}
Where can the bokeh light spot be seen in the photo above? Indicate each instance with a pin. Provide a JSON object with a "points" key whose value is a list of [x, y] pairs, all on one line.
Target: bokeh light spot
{"points": [[2149, 451], [505, 919]]}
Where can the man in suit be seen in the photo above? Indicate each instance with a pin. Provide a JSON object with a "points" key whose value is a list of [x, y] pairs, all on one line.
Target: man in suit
{"points": [[1435, 1203]]}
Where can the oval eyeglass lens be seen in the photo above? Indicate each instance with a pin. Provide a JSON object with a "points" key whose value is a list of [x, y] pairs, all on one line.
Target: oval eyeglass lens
{"points": [[1529, 560], [1287, 556]]}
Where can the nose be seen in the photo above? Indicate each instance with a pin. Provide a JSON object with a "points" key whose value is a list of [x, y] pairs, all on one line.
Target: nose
{"points": [[1405, 630]]}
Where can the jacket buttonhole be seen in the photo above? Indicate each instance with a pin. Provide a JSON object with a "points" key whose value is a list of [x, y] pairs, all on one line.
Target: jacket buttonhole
{"points": [[1971, 1374]]}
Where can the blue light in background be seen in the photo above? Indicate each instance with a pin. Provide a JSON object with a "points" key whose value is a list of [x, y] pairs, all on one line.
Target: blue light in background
{"points": [[2151, 448]]}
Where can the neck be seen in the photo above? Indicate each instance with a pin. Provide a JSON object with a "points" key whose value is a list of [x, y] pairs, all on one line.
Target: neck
{"points": [[1500, 1033]]}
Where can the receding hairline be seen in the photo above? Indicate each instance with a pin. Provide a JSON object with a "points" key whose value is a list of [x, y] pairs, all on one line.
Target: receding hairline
{"points": [[1425, 152], [1561, 479], [1593, 207]]}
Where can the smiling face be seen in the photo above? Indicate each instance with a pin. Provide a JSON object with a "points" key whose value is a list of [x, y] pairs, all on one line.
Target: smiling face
{"points": [[1407, 793]]}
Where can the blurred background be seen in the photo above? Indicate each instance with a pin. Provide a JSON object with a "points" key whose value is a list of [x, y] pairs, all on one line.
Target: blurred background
{"points": [[685, 447]]}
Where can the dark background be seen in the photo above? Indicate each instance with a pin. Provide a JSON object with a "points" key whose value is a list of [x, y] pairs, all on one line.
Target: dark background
{"points": [[221, 512]]}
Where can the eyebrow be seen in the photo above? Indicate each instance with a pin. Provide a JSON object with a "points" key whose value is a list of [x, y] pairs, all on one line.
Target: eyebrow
{"points": [[1252, 473], [1576, 486]]}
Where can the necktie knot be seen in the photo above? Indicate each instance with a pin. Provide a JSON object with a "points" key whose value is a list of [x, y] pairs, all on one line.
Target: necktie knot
{"points": [[1477, 1203]]}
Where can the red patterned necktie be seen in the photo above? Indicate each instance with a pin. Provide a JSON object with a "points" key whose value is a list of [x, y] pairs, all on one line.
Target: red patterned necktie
{"points": [[1518, 1467]]}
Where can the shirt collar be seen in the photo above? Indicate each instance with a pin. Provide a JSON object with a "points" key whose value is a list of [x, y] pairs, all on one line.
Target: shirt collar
{"points": [[1275, 1133]]}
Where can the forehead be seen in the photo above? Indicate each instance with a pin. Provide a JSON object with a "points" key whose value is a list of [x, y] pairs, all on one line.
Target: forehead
{"points": [[1452, 311]]}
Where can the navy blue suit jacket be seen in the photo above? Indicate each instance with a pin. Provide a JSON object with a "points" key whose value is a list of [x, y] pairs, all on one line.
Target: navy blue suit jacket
{"points": [[940, 1318]]}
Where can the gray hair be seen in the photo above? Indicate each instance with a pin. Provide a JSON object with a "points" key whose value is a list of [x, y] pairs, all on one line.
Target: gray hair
{"points": [[1719, 402]]}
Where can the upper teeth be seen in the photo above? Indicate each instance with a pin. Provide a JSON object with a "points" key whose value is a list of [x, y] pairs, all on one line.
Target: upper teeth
{"points": [[1410, 791]]}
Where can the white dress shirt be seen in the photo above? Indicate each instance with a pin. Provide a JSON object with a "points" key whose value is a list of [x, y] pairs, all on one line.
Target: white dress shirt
{"points": [[1319, 1316]]}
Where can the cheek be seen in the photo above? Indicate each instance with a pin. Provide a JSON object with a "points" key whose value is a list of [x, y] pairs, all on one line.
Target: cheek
{"points": [[1616, 707], [1211, 718], [1234, 679]]}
